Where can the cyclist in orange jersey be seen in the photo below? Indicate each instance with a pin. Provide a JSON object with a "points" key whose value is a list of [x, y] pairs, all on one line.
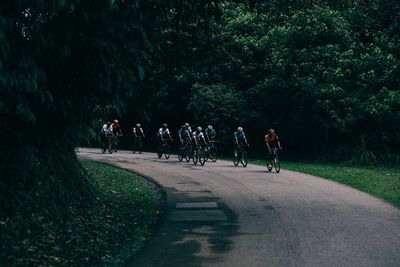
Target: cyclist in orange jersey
{"points": [[271, 141]]}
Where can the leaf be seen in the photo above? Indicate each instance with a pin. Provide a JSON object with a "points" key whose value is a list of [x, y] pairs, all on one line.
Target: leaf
{"points": [[141, 72], [25, 113]]}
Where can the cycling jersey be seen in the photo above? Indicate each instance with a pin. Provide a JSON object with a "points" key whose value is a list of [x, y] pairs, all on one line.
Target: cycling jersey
{"points": [[239, 135], [198, 136], [116, 129], [210, 133], [163, 132], [138, 130], [106, 130], [183, 133], [271, 139]]}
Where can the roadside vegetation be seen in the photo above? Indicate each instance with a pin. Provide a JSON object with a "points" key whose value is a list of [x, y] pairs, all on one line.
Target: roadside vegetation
{"points": [[324, 74], [380, 181], [105, 233], [132, 208]]}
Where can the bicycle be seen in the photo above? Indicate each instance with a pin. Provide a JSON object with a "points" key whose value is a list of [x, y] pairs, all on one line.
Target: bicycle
{"points": [[184, 151], [115, 141], [106, 144], [212, 151], [165, 149], [240, 155], [199, 155], [137, 144], [273, 161]]}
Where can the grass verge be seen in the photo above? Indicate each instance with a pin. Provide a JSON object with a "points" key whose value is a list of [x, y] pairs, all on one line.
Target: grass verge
{"points": [[130, 208], [382, 182], [113, 214]]}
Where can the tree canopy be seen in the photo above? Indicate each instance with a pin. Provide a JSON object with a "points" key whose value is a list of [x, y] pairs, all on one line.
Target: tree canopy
{"points": [[324, 74]]}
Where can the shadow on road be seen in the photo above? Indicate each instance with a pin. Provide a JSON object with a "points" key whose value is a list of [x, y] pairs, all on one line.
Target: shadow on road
{"points": [[189, 243]]}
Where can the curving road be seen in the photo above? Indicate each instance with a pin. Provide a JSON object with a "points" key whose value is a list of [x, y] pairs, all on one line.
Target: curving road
{"points": [[221, 215]]}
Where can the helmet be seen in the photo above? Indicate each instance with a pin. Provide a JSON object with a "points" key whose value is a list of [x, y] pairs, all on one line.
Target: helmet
{"points": [[210, 127], [165, 125], [116, 121], [184, 127], [138, 125], [240, 129], [199, 129], [271, 131], [187, 124]]}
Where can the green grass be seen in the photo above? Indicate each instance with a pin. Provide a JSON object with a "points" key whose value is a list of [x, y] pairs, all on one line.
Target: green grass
{"points": [[382, 182], [130, 208], [110, 220]]}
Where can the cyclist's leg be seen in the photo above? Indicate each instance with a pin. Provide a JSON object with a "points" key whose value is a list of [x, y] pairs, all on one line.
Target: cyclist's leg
{"points": [[102, 141], [235, 150]]}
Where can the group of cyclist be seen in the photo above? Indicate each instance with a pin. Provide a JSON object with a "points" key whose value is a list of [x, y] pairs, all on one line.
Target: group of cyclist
{"points": [[198, 137], [109, 135], [185, 134]]}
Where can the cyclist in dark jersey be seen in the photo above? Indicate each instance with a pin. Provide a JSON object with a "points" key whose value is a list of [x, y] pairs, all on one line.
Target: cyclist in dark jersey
{"points": [[138, 131], [271, 141], [210, 133], [239, 139], [184, 135]]}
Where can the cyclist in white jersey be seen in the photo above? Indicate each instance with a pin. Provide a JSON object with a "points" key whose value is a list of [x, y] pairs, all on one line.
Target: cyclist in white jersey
{"points": [[164, 133]]}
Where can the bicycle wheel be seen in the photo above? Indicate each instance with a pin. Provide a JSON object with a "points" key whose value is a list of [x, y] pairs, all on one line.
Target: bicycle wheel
{"points": [[180, 153], [202, 158], [110, 147], [195, 157], [140, 146], [103, 147], [236, 158], [167, 152], [267, 161], [188, 154], [213, 154], [160, 152], [134, 147], [115, 144], [277, 164], [243, 158], [206, 154]]}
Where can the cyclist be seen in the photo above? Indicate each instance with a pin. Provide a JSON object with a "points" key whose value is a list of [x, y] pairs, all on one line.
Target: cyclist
{"points": [[106, 129], [138, 136], [105, 133], [116, 128], [138, 131], [198, 137], [210, 133], [239, 139], [163, 133], [271, 141], [188, 128], [184, 135]]}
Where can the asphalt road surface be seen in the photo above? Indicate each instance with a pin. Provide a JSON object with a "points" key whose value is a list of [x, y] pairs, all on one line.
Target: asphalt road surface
{"points": [[221, 215]]}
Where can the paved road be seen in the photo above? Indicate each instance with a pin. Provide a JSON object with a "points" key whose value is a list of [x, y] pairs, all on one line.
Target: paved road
{"points": [[221, 215]]}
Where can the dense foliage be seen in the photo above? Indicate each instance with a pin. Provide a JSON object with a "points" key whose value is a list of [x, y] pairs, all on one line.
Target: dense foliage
{"points": [[63, 65], [325, 74]]}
